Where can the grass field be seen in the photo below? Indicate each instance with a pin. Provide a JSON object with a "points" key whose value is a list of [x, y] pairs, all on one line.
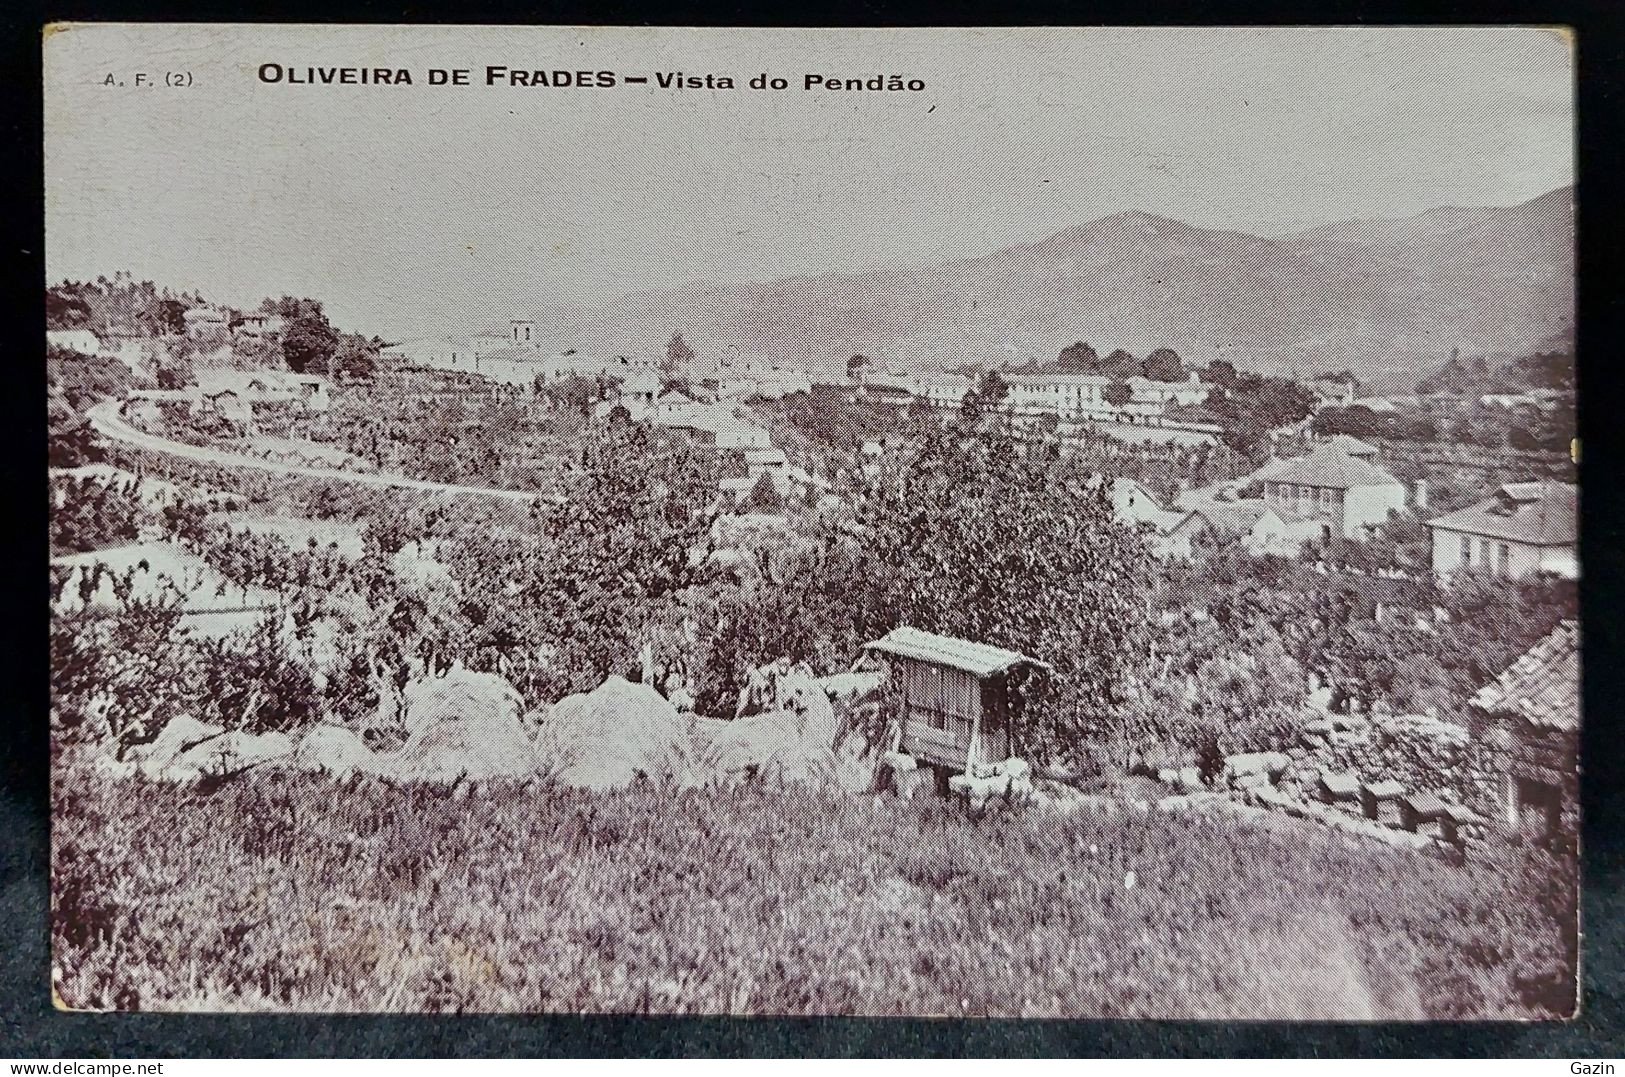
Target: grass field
{"points": [[289, 891]]}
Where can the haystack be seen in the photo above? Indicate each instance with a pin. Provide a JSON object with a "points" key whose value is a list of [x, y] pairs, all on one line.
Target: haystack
{"points": [[464, 724], [851, 687], [799, 740], [227, 753], [828, 733], [340, 752], [605, 738], [180, 734], [744, 745]]}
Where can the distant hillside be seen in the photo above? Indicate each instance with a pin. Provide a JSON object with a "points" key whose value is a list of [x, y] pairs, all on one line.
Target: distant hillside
{"points": [[1370, 296]]}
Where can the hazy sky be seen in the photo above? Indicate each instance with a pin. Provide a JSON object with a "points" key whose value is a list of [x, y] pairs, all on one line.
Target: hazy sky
{"points": [[428, 208]]}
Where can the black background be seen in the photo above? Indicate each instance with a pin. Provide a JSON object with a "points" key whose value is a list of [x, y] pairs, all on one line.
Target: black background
{"points": [[29, 1027]]}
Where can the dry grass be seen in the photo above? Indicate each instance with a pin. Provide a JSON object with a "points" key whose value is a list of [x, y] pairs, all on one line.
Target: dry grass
{"points": [[289, 891]]}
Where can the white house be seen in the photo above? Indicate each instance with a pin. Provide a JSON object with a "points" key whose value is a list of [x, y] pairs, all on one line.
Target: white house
{"points": [[203, 321], [1187, 392], [235, 394], [1347, 495], [258, 324], [1262, 528], [82, 341], [736, 433], [769, 462], [1525, 528], [1077, 396]]}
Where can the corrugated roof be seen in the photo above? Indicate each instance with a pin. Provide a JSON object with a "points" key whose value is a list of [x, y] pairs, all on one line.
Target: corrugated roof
{"points": [[1543, 686], [1540, 514], [1331, 468], [977, 659]]}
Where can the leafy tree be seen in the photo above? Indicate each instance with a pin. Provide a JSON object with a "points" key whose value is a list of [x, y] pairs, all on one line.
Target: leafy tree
{"points": [[631, 533], [121, 678], [764, 496], [356, 357], [575, 393], [970, 406], [1221, 372], [309, 340], [65, 308], [1164, 364], [1120, 364], [174, 372], [983, 537], [1255, 404], [919, 410], [256, 684], [1356, 421], [90, 514], [168, 316], [1249, 696], [993, 390], [678, 356], [70, 439], [1117, 394], [856, 365], [1078, 358], [74, 382]]}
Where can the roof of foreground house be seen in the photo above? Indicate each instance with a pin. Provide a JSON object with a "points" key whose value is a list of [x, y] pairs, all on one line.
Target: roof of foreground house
{"points": [[1543, 686], [1537, 513], [977, 659]]}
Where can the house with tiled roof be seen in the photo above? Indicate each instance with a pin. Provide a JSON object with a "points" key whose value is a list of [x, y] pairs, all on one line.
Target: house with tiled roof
{"points": [[1340, 494], [1261, 528], [1524, 529], [1529, 717]]}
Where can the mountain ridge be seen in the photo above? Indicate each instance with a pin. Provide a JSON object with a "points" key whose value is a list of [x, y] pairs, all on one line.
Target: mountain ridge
{"points": [[1371, 296]]}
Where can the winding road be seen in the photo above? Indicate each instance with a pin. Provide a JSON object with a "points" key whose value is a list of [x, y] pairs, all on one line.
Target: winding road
{"points": [[106, 421]]}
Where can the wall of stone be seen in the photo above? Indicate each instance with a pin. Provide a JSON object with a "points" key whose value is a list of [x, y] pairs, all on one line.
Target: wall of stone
{"points": [[1422, 754]]}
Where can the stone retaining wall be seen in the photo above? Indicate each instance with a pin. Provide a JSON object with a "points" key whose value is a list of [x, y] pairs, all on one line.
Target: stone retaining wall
{"points": [[1421, 754]]}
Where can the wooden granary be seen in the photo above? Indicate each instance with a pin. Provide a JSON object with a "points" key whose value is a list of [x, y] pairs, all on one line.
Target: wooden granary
{"points": [[961, 702]]}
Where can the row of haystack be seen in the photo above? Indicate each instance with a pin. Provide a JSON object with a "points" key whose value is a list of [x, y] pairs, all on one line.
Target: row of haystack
{"points": [[472, 725]]}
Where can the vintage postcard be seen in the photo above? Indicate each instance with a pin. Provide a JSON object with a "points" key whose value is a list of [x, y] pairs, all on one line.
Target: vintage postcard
{"points": [[1006, 522]]}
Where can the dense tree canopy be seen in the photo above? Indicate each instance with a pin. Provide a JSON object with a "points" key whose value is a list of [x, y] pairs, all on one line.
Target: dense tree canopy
{"points": [[987, 538], [309, 340], [1164, 364]]}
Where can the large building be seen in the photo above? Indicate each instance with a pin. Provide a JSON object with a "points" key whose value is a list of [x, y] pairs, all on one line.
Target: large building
{"points": [[1346, 495], [1525, 528], [519, 358]]}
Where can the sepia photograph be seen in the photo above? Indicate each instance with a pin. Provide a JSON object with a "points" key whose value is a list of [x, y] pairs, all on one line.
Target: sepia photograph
{"points": [[1024, 523]]}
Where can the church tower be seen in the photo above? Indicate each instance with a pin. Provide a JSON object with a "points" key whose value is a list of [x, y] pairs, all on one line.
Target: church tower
{"points": [[523, 332]]}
